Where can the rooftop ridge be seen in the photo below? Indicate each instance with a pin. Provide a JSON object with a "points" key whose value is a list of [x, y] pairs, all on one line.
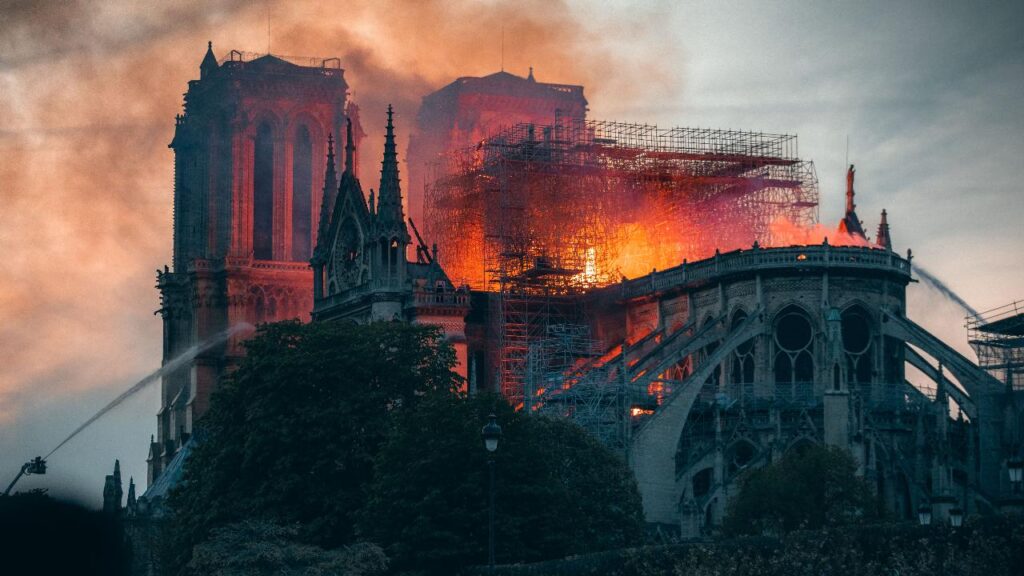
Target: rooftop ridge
{"points": [[303, 61]]}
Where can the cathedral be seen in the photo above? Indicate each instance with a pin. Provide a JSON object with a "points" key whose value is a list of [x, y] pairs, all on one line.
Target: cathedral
{"points": [[361, 270], [249, 159], [694, 373]]}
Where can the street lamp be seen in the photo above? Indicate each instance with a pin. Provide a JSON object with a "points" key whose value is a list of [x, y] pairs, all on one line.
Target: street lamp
{"points": [[1015, 466], [956, 517], [924, 514], [491, 434]]}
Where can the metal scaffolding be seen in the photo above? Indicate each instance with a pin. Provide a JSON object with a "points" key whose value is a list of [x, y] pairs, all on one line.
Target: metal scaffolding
{"points": [[537, 214], [997, 337], [569, 376]]}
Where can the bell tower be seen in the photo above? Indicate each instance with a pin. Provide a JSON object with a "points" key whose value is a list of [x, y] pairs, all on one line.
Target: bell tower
{"points": [[250, 155]]}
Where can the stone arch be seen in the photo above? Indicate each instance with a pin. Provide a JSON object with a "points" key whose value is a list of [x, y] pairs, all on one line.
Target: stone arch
{"points": [[394, 256], [702, 482], [655, 443], [263, 190], [859, 332], [793, 357], [303, 175], [702, 355], [305, 208], [257, 300], [800, 443], [868, 309], [265, 181], [743, 360], [740, 454]]}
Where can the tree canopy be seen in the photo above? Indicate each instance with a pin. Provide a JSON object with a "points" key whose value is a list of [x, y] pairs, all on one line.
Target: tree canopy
{"points": [[291, 435], [255, 548], [342, 433], [558, 491], [806, 489]]}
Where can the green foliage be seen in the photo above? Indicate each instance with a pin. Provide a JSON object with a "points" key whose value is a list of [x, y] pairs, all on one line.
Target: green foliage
{"points": [[807, 489], [558, 491], [991, 546], [253, 548], [291, 435]]}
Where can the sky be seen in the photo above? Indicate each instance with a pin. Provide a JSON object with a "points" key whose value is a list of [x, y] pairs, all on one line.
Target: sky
{"points": [[924, 97]]}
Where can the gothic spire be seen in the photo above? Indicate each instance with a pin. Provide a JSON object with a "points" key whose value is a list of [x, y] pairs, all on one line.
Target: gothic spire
{"points": [[389, 193], [330, 190], [330, 154], [882, 238], [131, 492], [350, 148], [209, 63]]}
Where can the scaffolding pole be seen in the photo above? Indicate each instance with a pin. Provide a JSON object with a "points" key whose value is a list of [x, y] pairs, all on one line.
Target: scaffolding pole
{"points": [[539, 213]]}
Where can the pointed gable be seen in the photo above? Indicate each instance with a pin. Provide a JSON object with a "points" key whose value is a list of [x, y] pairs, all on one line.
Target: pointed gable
{"points": [[270, 64], [348, 229]]}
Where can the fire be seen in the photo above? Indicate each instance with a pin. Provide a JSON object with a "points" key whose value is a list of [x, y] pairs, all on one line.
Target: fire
{"points": [[785, 233], [658, 391]]}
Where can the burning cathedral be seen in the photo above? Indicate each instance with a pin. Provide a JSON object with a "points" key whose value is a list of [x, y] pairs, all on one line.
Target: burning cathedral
{"points": [[670, 290]]}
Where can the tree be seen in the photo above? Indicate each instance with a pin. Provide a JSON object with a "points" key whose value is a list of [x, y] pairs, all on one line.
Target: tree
{"points": [[807, 489], [253, 548], [291, 435], [42, 535], [558, 490]]}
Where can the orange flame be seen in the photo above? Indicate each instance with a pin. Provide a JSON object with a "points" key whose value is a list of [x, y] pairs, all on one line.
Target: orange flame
{"points": [[785, 233]]}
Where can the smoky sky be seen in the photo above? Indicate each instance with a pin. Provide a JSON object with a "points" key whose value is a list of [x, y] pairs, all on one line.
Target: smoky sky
{"points": [[928, 94]]}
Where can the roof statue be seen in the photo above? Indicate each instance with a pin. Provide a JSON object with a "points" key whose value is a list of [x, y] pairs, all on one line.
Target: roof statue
{"points": [[850, 224]]}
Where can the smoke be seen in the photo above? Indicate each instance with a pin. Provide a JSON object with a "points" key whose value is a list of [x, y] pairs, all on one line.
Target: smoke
{"points": [[786, 233], [940, 287], [177, 362], [88, 95]]}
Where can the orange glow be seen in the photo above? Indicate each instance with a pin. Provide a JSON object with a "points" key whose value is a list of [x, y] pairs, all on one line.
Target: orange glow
{"points": [[785, 233], [637, 411], [657, 389]]}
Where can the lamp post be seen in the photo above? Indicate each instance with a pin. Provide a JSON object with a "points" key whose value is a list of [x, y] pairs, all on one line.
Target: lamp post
{"points": [[491, 434], [1015, 466], [924, 514], [956, 517]]}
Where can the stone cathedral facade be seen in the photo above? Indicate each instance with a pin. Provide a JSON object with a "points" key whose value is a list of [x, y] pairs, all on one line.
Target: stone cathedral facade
{"points": [[695, 373], [250, 154]]}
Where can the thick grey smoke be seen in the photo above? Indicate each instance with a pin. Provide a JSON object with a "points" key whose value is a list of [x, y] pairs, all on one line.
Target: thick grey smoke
{"points": [[175, 363], [940, 286]]}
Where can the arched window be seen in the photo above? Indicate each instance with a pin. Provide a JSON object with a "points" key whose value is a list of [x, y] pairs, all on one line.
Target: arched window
{"points": [[794, 339], [393, 250], [739, 455], [711, 383], [259, 304], [856, 329], [263, 194], [742, 369], [701, 482], [302, 195]]}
